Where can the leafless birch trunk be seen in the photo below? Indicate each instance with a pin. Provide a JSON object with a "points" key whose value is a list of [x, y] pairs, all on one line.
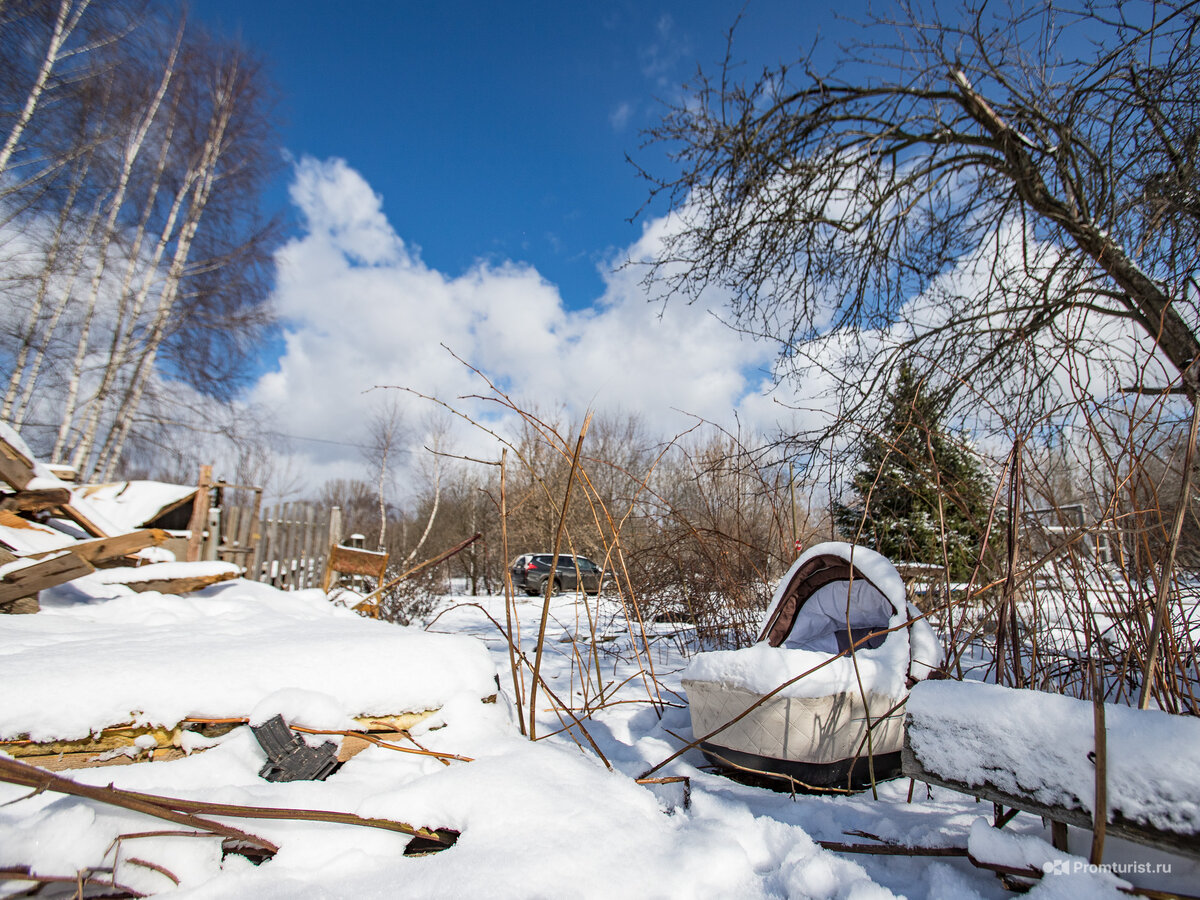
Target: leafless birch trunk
{"points": [[129, 308], [224, 97], [132, 149], [69, 14]]}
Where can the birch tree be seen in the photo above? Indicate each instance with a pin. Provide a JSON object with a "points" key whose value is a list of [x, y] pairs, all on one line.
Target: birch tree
{"points": [[154, 254], [227, 167], [129, 306], [66, 21], [141, 118]]}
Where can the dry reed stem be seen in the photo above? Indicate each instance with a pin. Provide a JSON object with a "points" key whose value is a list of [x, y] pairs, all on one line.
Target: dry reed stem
{"points": [[559, 704], [1164, 580], [79, 879], [15, 772], [549, 586], [152, 866], [509, 600]]}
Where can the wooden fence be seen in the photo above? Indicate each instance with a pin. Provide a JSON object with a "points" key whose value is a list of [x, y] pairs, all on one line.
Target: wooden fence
{"points": [[285, 546]]}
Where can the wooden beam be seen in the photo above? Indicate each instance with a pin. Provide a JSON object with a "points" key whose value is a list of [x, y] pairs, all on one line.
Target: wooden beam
{"points": [[35, 501], [83, 521], [41, 575], [16, 469], [182, 585], [199, 514], [108, 549]]}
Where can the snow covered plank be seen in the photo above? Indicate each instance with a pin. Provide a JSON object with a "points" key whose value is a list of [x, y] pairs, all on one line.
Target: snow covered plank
{"points": [[171, 577], [99, 551], [1030, 750], [26, 578]]}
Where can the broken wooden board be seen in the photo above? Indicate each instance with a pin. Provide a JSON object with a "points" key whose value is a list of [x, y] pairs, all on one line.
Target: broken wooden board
{"points": [[35, 501], [181, 585], [28, 580], [121, 745], [353, 561], [85, 760], [34, 540], [113, 550], [116, 746], [170, 577], [18, 470]]}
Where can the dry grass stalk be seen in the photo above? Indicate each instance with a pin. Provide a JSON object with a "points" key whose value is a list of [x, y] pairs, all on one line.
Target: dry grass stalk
{"points": [[512, 636], [183, 812], [549, 586], [1168, 566]]}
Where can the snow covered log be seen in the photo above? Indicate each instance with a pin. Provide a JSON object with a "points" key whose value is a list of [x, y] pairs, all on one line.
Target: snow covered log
{"points": [[1032, 751]]}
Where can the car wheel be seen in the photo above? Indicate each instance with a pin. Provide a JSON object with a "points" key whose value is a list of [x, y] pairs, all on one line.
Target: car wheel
{"points": [[556, 588]]}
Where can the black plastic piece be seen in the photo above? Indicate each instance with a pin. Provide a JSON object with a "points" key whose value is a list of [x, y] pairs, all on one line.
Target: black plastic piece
{"points": [[855, 772], [423, 846], [289, 758]]}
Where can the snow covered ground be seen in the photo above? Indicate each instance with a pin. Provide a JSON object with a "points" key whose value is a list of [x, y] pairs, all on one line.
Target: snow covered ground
{"points": [[543, 819]]}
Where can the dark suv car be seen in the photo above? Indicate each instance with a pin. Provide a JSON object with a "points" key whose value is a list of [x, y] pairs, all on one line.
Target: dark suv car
{"points": [[531, 571]]}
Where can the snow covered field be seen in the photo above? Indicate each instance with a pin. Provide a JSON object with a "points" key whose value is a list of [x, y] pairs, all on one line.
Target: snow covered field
{"points": [[543, 819]]}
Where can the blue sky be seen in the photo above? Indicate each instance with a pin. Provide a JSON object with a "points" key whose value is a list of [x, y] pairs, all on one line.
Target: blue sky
{"points": [[458, 184], [499, 131]]}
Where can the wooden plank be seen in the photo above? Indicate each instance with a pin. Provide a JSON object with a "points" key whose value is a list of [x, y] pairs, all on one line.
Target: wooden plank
{"points": [[264, 555], [35, 501], [81, 519], [111, 549], [199, 514], [291, 522], [61, 762], [16, 469], [242, 532], [41, 575], [1187, 845], [352, 561], [181, 585], [231, 520], [255, 535], [308, 574]]}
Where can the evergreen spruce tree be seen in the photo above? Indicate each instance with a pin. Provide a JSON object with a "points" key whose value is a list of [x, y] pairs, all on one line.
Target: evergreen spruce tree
{"points": [[902, 471]]}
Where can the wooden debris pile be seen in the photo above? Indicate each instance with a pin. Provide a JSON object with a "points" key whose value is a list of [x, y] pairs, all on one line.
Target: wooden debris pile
{"points": [[51, 534]]}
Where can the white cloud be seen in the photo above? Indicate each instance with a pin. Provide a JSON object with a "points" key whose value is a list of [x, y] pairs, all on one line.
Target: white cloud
{"points": [[619, 117], [361, 311]]}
